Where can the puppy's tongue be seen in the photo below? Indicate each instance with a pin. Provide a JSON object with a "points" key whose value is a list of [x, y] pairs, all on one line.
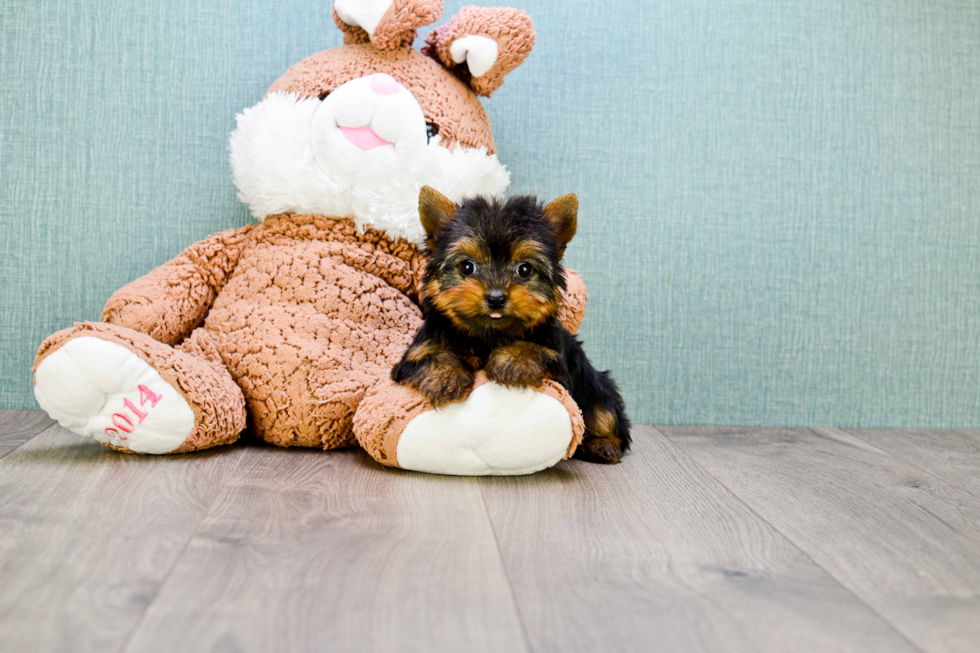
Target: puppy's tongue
{"points": [[496, 316]]}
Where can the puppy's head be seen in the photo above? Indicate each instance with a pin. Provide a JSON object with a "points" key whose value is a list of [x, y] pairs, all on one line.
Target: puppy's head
{"points": [[495, 265]]}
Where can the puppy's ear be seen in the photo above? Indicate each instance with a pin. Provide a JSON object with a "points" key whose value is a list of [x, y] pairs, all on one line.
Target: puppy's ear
{"points": [[562, 215], [436, 211]]}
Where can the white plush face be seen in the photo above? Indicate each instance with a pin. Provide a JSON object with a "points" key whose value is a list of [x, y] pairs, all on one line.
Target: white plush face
{"points": [[362, 152], [369, 127]]}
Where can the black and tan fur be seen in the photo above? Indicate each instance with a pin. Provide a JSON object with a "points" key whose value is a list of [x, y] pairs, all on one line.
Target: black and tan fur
{"points": [[490, 258]]}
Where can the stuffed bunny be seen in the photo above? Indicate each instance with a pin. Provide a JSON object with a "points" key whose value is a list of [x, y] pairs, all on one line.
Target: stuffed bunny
{"points": [[293, 324]]}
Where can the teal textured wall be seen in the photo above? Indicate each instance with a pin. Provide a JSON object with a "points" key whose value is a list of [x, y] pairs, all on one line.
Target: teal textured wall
{"points": [[780, 199]]}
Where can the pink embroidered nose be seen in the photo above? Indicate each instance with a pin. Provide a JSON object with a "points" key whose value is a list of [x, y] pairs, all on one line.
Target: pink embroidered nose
{"points": [[384, 84]]}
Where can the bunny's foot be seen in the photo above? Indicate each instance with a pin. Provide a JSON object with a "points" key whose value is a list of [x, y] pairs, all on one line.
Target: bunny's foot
{"points": [[496, 430], [129, 392]]}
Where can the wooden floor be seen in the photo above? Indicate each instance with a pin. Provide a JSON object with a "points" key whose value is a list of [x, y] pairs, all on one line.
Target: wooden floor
{"points": [[703, 539]]}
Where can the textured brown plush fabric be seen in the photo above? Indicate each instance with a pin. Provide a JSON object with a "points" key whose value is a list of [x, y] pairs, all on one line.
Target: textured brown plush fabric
{"points": [[399, 26], [571, 311], [312, 317], [510, 28], [172, 300], [384, 413], [444, 98]]}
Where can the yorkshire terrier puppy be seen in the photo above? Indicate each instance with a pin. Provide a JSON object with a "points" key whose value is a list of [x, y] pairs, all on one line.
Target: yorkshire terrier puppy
{"points": [[490, 301]]}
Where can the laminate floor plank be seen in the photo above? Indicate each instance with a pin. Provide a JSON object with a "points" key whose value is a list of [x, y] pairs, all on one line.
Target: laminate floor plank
{"points": [[19, 426], [951, 454], [313, 551], [87, 535], [655, 555], [903, 540]]}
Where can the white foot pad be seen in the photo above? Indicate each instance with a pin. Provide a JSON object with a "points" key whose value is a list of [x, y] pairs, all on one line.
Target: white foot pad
{"points": [[103, 391], [497, 431]]}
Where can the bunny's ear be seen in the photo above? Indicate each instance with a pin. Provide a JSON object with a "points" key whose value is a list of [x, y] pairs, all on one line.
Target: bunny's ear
{"points": [[387, 24], [482, 45]]}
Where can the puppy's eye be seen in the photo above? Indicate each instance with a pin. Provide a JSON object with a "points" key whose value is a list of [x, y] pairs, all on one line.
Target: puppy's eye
{"points": [[467, 267], [524, 270], [431, 130]]}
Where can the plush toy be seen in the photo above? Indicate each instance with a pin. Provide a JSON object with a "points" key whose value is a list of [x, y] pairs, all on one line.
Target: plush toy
{"points": [[294, 323]]}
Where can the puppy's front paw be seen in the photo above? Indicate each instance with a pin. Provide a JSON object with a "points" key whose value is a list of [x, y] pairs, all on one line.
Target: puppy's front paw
{"points": [[520, 364], [445, 384], [523, 374]]}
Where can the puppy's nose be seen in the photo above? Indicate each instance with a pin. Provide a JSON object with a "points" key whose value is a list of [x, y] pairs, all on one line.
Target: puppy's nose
{"points": [[496, 299]]}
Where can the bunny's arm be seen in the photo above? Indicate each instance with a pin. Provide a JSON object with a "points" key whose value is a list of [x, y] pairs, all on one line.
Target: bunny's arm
{"points": [[571, 312], [172, 300]]}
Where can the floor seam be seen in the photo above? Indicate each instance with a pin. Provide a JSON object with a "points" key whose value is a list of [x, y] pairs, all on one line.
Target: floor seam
{"points": [[791, 541], [911, 463], [38, 434], [180, 556], [503, 567]]}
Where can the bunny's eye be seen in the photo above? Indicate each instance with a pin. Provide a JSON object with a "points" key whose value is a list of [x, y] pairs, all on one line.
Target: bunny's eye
{"points": [[524, 270], [431, 130], [467, 267]]}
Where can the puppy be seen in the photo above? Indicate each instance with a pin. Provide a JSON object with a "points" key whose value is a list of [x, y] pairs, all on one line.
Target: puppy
{"points": [[490, 301]]}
